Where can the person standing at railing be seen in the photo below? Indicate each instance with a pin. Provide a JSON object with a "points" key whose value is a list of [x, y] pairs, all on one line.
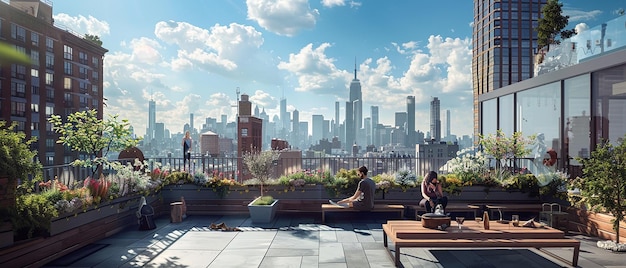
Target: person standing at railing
{"points": [[187, 141]]}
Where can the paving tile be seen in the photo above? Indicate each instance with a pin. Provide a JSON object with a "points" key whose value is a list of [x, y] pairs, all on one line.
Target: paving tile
{"points": [[238, 258], [184, 258], [331, 253], [283, 262]]}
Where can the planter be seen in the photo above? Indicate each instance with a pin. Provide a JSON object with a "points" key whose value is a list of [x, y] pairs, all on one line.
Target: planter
{"points": [[304, 192], [71, 221], [192, 192], [413, 193], [595, 224], [482, 194], [262, 214]]}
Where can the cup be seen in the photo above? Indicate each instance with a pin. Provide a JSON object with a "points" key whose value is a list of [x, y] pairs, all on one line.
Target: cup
{"points": [[515, 220]]}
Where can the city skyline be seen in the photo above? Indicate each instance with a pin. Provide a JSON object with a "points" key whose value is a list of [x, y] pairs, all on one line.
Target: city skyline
{"points": [[191, 58]]}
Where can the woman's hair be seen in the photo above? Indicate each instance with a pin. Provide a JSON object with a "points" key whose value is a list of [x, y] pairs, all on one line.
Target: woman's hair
{"points": [[430, 176]]}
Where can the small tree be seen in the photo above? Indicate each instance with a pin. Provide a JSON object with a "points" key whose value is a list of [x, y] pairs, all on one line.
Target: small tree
{"points": [[551, 25], [260, 165], [94, 38], [84, 132], [603, 185]]}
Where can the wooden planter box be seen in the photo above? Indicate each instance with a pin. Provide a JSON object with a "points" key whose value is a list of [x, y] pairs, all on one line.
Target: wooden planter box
{"points": [[595, 224], [482, 194]]}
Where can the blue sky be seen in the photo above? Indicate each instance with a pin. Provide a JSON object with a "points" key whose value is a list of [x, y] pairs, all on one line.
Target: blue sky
{"points": [[190, 56]]}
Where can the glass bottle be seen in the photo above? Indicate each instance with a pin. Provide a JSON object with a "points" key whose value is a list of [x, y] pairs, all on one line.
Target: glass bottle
{"points": [[486, 220]]}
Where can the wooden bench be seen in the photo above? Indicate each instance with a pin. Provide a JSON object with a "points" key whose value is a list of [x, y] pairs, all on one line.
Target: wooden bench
{"points": [[377, 208], [537, 243]]}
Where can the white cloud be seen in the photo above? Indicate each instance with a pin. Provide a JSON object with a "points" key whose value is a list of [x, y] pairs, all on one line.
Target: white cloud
{"points": [[282, 17], [263, 99], [315, 71], [82, 25], [333, 3], [580, 15]]}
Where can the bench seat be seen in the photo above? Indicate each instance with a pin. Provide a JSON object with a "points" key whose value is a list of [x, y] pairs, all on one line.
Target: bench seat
{"points": [[377, 208]]}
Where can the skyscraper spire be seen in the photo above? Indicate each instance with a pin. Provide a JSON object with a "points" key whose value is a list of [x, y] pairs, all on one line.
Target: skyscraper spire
{"points": [[354, 68]]}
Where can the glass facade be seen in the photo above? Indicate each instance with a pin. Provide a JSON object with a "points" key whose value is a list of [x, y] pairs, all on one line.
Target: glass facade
{"points": [[609, 103]]}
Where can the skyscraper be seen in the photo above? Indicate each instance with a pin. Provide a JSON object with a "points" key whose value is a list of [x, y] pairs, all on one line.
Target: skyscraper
{"points": [[410, 124], [503, 43], [317, 122], [349, 127], [435, 120], [448, 132], [374, 114], [151, 121], [337, 122], [191, 127], [357, 99], [295, 128], [284, 116]]}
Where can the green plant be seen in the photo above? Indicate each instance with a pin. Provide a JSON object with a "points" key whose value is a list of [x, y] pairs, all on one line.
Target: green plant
{"points": [[405, 179], [503, 148], [260, 166], [83, 131], [263, 201], [451, 184], [551, 24], [16, 158], [603, 185], [33, 215]]}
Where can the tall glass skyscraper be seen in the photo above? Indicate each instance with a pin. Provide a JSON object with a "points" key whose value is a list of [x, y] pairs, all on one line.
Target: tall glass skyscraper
{"points": [[435, 119], [410, 124], [504, 40]]}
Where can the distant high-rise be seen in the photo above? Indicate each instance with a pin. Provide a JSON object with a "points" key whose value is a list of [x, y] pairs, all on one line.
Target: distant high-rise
{"points": [[503, 43], [337, 122], [410, 124], [284, 116], [435, 119], [400, 120], [356, 98], [448, 132], [317, 123], [295, 128], [374, 114], [151, 120], [191, 123], [349, 127]]}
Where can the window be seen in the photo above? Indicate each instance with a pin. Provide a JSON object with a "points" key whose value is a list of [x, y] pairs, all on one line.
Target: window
{"points": [[49, 111], [49, 44], [34, 73], [49, 79], [83, 101], [34, 126], [67, 67], [94, 88], [82, 85], [18, 32], [67, 52], [49, 61], [34, 39], [94, 75], [34, 107], [18, 89], [95, 61], [68, 97], [34, 89], [67, 83], [82, 72], [50, 95], [18, 71], [244, 132], [34, 58], [18, 108], [49, 143], [82, 57]]}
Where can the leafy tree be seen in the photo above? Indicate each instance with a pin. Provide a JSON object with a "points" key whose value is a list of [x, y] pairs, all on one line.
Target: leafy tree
{"points": [[603, 185], [84, 132], [551, 25], [260, 165], [94, 38], [16, 157]]}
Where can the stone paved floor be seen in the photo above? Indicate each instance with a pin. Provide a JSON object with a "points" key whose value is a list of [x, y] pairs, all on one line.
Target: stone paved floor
{"points": [[292, 241]]}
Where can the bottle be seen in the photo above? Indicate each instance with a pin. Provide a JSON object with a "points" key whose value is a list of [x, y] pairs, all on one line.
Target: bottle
{"points": [[486, 220]]}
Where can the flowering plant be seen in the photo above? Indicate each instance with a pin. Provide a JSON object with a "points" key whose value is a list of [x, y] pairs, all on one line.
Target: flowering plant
{"points": [[503, 148], [468, 165]]}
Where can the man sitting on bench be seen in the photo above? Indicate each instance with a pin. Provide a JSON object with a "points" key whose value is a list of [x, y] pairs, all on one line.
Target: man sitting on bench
{"points": [[432, 192], [363, 198]]}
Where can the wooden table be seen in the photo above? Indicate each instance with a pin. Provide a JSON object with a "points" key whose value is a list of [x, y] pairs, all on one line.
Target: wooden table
{"points": [[408, 233]]}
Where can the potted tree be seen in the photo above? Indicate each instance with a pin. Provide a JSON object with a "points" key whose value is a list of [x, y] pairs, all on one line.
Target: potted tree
{"points": [[603, 186], [260, 165], [16, 163]]}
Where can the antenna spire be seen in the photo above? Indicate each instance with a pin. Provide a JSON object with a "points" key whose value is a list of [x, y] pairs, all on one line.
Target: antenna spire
{"points": [[355, 68]]}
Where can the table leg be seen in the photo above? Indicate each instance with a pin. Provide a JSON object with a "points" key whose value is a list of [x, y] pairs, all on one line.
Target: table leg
{"points": [[397, 256], [385, 239], [500, 211]]}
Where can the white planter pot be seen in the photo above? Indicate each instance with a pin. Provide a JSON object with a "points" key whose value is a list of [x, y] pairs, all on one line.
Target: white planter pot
{"points": [[262, 214]]}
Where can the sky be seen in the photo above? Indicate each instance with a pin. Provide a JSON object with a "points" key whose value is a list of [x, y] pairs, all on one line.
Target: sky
{"points": [[191, 56]]}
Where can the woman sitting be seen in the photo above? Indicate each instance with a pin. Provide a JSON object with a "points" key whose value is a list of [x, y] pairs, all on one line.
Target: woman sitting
{"points": [[432, 193]]}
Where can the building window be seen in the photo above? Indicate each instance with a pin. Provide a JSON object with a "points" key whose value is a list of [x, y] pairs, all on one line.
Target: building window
{"points": [[34, 107], [95, 61], [67, 67], [49, 44], [49, 79], [82, 86], [18, 108], [244, 132], [34, 126], [18, 32], [67, 83], [82, 57], [94, 75], [18, 90], [34, 89], [18, 71], [67, 52], [68, 97], [34, 39], [34, 73], [34, 58], [49, 61], [94, 89], [49, 111]]}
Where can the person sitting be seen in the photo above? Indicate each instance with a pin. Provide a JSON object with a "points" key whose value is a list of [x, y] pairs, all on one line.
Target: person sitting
{"points": [[363, 198], [432, 193]]}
